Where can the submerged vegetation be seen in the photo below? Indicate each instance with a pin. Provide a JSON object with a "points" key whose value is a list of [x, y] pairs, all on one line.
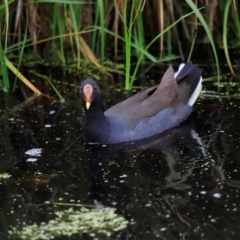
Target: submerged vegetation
{"points": [[71, 33]]}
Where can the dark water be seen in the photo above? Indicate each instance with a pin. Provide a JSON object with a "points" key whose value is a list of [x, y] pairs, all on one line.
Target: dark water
{"points": [[183, 184]]}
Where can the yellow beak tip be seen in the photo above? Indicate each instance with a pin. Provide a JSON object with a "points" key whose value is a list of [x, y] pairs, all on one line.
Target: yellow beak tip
{"points": [[88, 104]]}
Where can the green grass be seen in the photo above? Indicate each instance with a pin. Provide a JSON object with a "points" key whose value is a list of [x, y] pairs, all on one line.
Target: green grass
{"points": [[148, 46], [74, 26], [225, 34], [210, 37], [119, 27], [100, 9], [58, 26], [5, 79], [23, 45]]}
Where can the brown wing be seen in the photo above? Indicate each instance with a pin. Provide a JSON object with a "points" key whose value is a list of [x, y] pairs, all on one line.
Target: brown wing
{"points": [[146, 103]]}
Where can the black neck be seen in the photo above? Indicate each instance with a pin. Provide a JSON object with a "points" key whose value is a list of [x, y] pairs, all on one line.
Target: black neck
{"points": [[97, 128], [95, 112]]}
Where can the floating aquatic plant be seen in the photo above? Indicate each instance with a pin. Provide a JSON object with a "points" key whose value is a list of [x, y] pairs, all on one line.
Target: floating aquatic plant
{"points": [[71, 222], [4, 176]]}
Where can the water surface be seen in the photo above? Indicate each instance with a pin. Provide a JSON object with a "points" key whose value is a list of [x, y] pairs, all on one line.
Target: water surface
{"points": [[183, 184]]}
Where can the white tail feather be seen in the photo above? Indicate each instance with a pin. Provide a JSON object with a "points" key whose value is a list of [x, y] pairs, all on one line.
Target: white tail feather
{"points": [[196, 93], [179, 69], [197, 90]]}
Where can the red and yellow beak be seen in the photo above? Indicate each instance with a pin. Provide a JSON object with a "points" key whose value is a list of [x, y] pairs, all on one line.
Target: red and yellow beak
{"points": [[88, 95]]}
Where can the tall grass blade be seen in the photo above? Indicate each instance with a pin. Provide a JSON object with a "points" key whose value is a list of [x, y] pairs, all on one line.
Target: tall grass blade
{"points": [[85, 49], [55, 89], [21, 77], [225, 34], [5, 78], [133, 45], [192, 46], [54, 30], [210, 37], [139, 28], [6, 3], [60, 26], [94, 34], [128, 34], [21, 52], [76, 36], [237, 19], [158, 36], [100, 8]]}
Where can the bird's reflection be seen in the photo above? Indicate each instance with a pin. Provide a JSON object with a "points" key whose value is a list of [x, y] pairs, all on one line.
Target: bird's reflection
{"points": [[157, 156]]}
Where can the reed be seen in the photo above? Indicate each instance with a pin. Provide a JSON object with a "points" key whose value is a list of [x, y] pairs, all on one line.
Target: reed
{"points": [[58, 29], [225, 33], [4, 72], [208, 32], [96, 31], [5, 79]]}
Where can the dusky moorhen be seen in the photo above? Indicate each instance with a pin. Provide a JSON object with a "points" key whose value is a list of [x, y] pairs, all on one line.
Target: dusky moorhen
{"points": [[145, 114]]}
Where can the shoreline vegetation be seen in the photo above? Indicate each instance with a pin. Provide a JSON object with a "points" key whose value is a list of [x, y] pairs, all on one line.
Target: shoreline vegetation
{"points": [[99, 32]]}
